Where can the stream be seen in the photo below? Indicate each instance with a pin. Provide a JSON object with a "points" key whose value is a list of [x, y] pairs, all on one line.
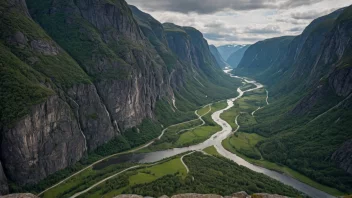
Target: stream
{"points": [[216, 140]]}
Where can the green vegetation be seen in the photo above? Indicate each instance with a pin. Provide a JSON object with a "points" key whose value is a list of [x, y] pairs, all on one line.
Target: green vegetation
{"points": [[203, 111], [84, 180], [20, 87], [25, 72], [248, 145], [212, 151], [169, 177], [229, 144], [147, 131], [211, 176], [248, 86], [141, 176], [197, 135], [245, 143], [180, 136]]}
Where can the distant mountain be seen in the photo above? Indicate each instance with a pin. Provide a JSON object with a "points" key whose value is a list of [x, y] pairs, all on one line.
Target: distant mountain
{"points": [[237, 56], [221, 62], [226, 50]]}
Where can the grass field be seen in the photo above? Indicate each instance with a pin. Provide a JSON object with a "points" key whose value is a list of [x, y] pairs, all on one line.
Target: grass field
{"points": [[203, 111], [83, 181], [136, 177], [230, 117], [251, 101], [179, 136], [196, 135], [245, 144], [212, 151], [247, 86]]}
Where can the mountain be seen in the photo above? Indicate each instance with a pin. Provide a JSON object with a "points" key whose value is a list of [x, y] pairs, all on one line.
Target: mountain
{"points": [[85, 79], [307, 123], [237, 56], [221, 62], [226, 50]]}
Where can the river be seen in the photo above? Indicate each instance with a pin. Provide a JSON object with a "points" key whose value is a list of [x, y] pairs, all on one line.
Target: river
{"points": [[216, 140]]}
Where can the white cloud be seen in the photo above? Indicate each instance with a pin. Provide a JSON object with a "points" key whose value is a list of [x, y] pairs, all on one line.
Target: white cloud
{"points": [[240, 21]]}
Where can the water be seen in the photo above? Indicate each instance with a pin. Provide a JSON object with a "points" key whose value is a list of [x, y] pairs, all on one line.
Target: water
{"points": [[216, 140]]}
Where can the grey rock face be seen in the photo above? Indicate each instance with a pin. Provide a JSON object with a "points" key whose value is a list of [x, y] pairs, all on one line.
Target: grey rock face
{"points": [[265, 195], [343, 156], [4, 188], [110, 19], [194, 195], [47, 140], [341, 81], [44, 47], [23, 195], [93, 116]]}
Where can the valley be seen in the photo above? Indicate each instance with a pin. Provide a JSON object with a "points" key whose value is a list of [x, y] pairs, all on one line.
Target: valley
{"points": [[98, 99], [170, 161]]}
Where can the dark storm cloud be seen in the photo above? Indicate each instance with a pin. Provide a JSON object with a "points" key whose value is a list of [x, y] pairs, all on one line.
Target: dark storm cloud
{"points": [[212, 6]]}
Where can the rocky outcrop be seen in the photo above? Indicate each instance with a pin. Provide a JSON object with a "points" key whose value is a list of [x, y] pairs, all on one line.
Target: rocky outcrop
{"points": [[46, 140], [23, 195], [343, 156], [194, 195], [94, 118], [4, 188]]}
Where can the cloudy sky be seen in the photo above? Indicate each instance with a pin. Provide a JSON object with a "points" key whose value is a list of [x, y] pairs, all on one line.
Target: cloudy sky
{"points": [[240, 21]]}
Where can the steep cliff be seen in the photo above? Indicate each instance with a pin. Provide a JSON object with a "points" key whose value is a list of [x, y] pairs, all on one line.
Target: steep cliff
{"points": [[236, 57], [261, 56], [309, 83], [77, 74], [4, 189], [39, 131], [221, 62]]}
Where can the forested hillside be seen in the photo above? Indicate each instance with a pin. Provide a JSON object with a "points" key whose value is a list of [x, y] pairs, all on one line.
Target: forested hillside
{"points": [[307, 123]]}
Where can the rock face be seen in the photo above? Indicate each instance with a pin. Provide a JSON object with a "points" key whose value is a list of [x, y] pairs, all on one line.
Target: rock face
{"points": [[263, 55], [227, 50], [87, 73], [24, 195], [222, 63], [47, 140], [194, 195], [236, 57], [4, 189], [343, 156]]}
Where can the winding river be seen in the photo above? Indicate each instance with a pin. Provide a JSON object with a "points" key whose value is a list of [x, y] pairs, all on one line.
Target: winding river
{"points": [[216, 140]]}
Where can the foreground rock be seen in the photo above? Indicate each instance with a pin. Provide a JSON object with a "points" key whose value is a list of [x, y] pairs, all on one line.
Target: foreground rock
{"points": [[193, 195], [23, 195]]}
